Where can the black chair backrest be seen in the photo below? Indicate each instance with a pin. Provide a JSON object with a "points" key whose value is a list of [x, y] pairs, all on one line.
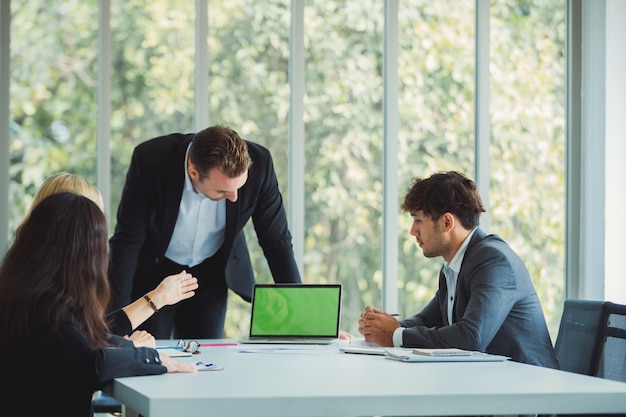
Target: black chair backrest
{"points": [[611, 358], [592, 341], [576, 343]]}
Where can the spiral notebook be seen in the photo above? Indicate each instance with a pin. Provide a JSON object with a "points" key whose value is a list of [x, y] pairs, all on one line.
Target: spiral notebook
{"points": [[443, 352], [409, 355], [295, 314]]}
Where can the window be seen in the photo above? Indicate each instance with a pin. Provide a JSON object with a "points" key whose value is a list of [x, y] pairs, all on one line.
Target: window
{"points": [[53, 96], [53, 108], [528, 141], [152, 80], [436, 71]]}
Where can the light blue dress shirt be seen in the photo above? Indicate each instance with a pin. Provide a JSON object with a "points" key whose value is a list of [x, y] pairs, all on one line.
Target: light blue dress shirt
{"points": [[199, 229]]}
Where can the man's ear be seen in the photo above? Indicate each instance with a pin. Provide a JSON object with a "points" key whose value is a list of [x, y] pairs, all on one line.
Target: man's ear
{"points": [[448, 221], [193, 171]]}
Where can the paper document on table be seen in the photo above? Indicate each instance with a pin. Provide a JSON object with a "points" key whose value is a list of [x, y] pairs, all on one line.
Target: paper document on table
{"points": [[407, 355], [358, 345], [286, 350], [202, 366]]}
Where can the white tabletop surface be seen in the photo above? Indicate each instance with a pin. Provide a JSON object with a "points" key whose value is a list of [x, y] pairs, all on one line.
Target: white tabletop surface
{"points": [[277, 381]]}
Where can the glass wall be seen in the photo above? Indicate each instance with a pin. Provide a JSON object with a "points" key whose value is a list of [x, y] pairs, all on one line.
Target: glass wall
{"points": [[53, 117], [343, 149], [436, 109], [53, 95], [152, 80], [528, 141], [527, 113], [249, 91]]}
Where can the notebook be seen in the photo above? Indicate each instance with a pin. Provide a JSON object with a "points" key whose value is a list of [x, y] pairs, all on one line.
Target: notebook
{"points": [[295, 314], [409, 355]]}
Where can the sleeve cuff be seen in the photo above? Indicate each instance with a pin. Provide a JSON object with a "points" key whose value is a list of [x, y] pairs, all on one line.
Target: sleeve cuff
{"points": [[397, 337]]}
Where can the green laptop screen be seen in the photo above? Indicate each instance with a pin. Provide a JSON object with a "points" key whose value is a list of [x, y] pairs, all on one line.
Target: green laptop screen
{"points": [[296, 310]]}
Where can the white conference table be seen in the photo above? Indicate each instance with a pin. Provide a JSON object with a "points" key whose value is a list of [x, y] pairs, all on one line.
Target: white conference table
{"points": [[280, 381]]}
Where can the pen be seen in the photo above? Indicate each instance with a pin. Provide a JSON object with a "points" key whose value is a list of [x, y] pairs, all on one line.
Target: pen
{"points": [[395, 314]]}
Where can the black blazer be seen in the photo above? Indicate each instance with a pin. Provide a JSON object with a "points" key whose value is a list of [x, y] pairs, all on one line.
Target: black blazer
{"points": [[496, 309], [149, 207]]}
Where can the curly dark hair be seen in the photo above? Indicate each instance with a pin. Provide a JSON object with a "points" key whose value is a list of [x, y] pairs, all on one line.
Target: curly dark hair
{"points": [[445, 192]]}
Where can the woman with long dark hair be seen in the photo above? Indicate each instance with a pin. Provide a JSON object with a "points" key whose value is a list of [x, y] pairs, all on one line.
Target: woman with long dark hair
{"points": [[53, 296]]}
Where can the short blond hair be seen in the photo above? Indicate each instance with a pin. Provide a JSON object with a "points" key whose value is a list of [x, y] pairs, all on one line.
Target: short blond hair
{"points": [[65, 182], [70, 183]]}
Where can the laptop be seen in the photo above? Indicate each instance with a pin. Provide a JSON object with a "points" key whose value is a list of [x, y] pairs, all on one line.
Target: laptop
{"points": [[295, 314]]}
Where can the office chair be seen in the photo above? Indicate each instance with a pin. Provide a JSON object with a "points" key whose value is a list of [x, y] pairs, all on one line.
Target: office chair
{"points": [[609, 359], [578, 341], [607, 355], [102, 403], [576, 344], [611, 356]]}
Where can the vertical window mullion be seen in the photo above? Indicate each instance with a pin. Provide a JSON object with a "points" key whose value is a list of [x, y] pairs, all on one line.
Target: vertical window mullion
{"points": [[296, 131], [5, 76], [103, 116], [482, 127], [390, 155], [201, 68]]}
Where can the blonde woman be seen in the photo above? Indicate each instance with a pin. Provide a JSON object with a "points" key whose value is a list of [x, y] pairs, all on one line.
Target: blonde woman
{"points": [[171, 290]]}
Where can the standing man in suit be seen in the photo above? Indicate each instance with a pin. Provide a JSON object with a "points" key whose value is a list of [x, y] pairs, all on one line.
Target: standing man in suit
{"points": [[486, 300], [185, 202]]}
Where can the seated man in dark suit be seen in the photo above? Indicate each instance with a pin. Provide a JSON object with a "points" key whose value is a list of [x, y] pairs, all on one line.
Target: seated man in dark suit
{"points": [[486, 300]]}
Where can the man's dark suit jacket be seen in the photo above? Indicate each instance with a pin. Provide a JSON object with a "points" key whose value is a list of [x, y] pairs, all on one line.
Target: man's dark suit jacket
{"points": [[496, 310], [149, 207]]}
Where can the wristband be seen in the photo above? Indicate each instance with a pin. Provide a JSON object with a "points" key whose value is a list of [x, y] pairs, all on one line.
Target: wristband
{"points": [[149, 300]]}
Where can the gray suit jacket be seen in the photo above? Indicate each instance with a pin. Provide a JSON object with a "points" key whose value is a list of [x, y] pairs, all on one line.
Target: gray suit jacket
{"points": [[496, 310]]}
